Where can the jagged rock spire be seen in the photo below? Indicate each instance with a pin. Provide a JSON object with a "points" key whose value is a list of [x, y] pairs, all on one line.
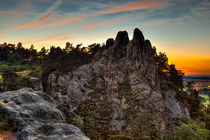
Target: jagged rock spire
{"points": [[138, 36], [109, 42], [121, 38], [119, 47]]}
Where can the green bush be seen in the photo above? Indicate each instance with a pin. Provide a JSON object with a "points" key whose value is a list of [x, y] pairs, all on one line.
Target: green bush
{"points": [[36, 72], [184, 119], [192, 131], [78, 121], [186, 133]]}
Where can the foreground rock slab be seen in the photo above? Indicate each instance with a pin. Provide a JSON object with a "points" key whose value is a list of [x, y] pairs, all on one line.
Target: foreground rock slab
{"points": [[33, 115]]}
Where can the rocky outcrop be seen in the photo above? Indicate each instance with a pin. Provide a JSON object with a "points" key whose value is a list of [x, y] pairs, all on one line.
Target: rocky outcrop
{"points": [[33, 115], [36, 83], [124, 74]]}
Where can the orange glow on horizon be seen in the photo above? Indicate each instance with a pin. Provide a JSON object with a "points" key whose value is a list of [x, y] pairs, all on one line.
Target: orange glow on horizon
{"points": [[192, 66]]}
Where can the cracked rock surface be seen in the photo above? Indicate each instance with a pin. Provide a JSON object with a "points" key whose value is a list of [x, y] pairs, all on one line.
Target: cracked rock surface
{"points": [[33, 114]]}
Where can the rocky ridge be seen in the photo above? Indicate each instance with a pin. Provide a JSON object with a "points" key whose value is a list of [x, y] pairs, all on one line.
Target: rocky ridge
{"points": [[125, 75]]}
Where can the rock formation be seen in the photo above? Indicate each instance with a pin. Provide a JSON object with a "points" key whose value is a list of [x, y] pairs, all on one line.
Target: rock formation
{"points": [[33, 114], [124, 74]]}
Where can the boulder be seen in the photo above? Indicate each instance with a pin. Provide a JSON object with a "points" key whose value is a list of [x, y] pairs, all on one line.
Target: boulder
{"points": [[33, 115]]}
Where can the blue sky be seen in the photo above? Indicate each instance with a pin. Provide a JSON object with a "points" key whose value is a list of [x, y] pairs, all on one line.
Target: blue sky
{"points": [[181, 28]]}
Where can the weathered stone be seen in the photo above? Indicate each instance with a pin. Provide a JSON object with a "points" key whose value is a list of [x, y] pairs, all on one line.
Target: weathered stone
{"points": [[121, 38], [109, 42], [52, 79], [36, 83], [138, 36], [125, 60], [34, 115]]}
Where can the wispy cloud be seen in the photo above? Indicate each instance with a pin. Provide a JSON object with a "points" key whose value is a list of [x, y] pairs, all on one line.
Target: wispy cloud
{"points": [[101, 24], [52, 37], [62, 21], [2, 33], [21, 9], [52, 8], [34, 24], [66, 20], [65, 39], [138, 5], [42, 18]]}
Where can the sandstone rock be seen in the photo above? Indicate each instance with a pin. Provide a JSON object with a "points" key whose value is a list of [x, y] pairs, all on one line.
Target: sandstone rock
{"points": [[119, 47], [34, 115], [109, 42], [52, 79], [138, 36], [126, 74], [36, 83]]}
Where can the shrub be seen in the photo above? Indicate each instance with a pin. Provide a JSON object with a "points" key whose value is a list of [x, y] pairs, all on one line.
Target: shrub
{"points": [[184, 119], [36, 72], [78, 121], [192, 131]]}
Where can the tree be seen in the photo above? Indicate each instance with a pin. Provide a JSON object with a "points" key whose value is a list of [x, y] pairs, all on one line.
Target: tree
{"points": [[43, 52], [9, 79], [19, 45], [93, 48], [33, 54], [161, 61], [175, 76], [194, 102], [69, 47]]}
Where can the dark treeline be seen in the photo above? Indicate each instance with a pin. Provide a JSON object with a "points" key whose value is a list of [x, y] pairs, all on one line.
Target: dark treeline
{"points": [[18, 54], [16, 58], [13, 54]]}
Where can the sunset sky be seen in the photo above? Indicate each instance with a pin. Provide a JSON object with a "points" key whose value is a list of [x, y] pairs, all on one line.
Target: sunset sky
{"points": [[180, 28]]}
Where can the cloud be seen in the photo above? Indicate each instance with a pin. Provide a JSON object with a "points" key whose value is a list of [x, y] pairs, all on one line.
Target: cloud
{"points": [[2, 33], [138, 5], [62, 21], [21, 9], [65, 38], [53, 8], [101, 24], [34, 24], [43, 18], [52, 37]]}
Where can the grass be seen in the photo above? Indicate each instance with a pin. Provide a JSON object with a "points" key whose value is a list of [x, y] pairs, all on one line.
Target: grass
{"points": [[21, 70], [23, 73], [207, 99]]}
